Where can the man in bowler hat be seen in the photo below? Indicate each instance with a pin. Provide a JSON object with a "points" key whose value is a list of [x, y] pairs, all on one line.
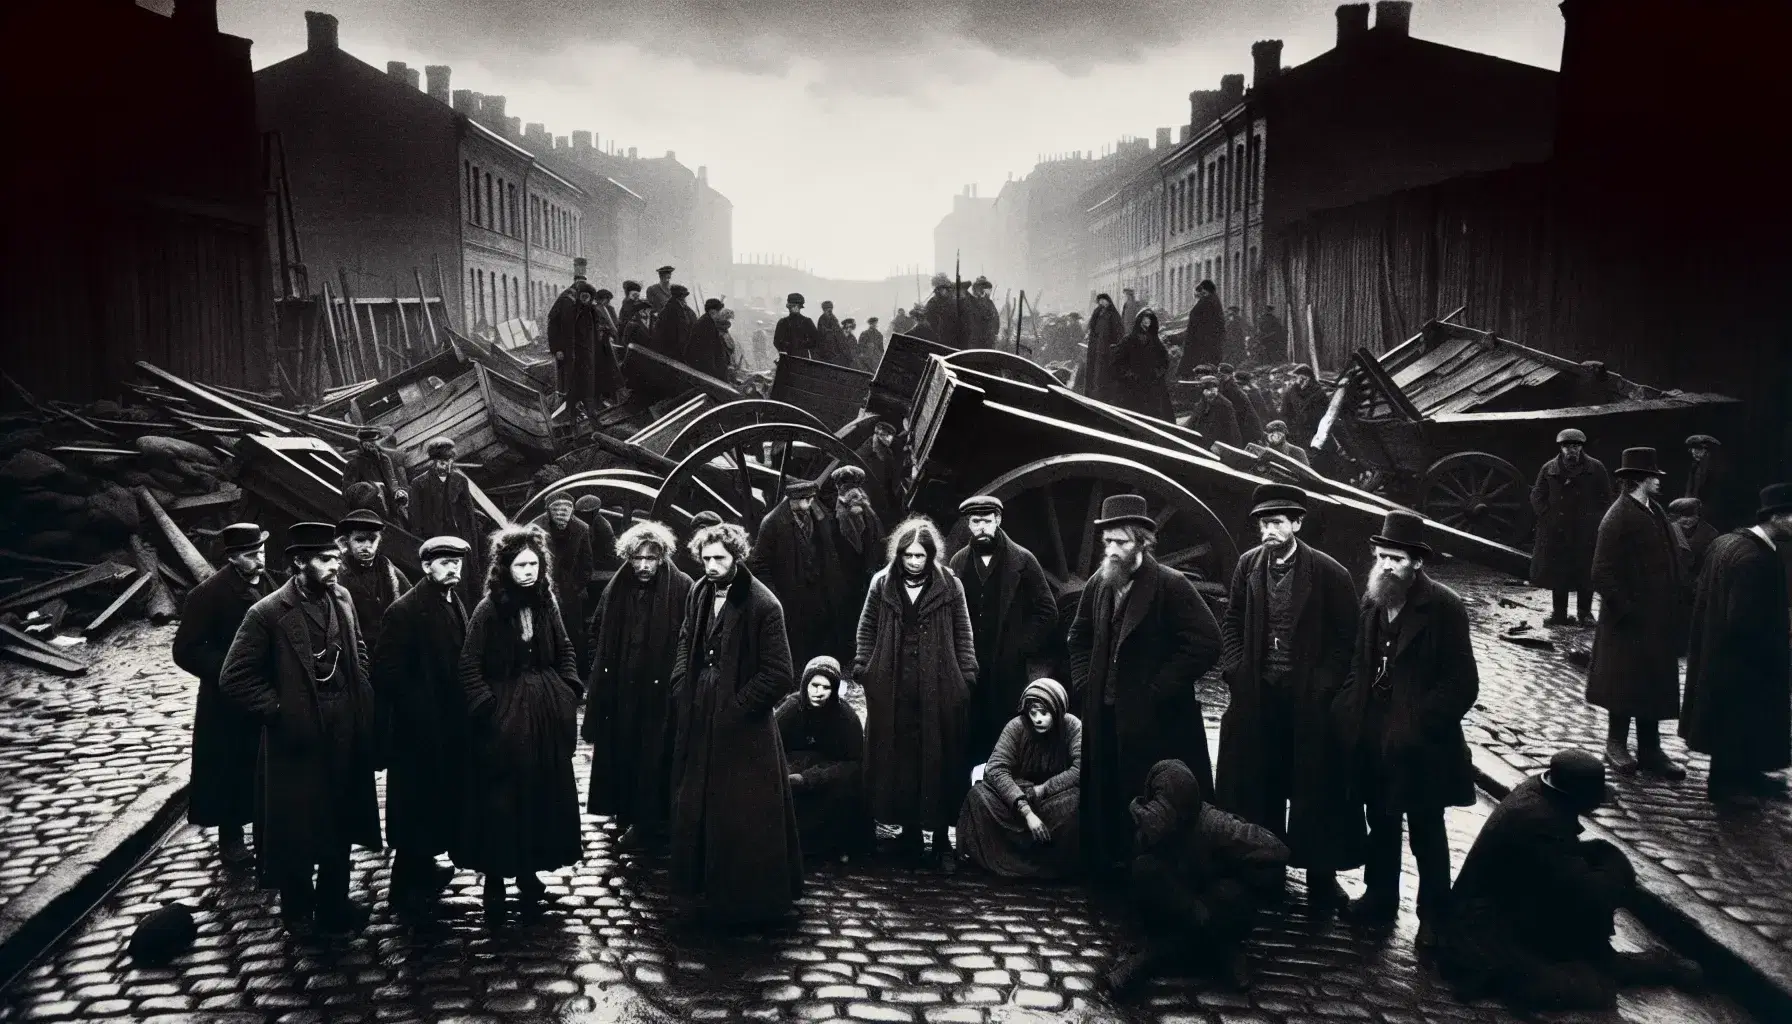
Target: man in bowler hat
{"points": [[225, 739]]}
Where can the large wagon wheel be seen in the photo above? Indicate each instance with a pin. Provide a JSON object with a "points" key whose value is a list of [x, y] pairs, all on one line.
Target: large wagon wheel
{"points": [[743, 473], [627, 495], [721, 419], [1052, 505], [998, 363], [1479, 493]]}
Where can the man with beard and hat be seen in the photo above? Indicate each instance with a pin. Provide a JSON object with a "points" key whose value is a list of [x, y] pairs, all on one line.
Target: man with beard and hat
{"points": [[796, 333], [708, 352], [1212, 415], [1013, 612], [1571, 494], [795, 558], [416, 677], [1197, 882], [298, 666], [943, 314], [870, 349], [1706, 479], [1399, 720], [1635, 672], [1105, 334], [1205, 339], [1738, 675], [856, 535], [1533, 908], [1303, 405], [1140, 638], [1288, 633], [734, 839], [225, 739], [569, 540], [633, 643], [1250, 427], [674, 324], [660, 292], [442, 506], [986, 319], [369, 577], [883, 458], [372, 464]]}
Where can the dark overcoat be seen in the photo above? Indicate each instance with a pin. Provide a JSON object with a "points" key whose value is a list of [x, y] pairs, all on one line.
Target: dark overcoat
{"points": [[825, 748], [373, 588], [316, 788], [799, 574], [850, 570], [377, 467], [1137, 378], [444, 508], [1303, 407], [1250, 426], [672, 328], [1215, 419], [1105, 332], [1205, 339], [708, 351], [943, 666], [945, 318], [883, 479], [1433, 682], [734, 838], [1568, 502], [1151, 660], [796, 334], [416, 677], [1737, 670], [572, 564], [1636, 571], [1026, 612], [563, 344], [627, 720], [1325, 610], [225, 738]]}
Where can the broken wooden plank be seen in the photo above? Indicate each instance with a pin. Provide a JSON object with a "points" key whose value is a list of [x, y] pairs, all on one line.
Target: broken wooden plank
{"points": [[193, 391], [54, 662], [224, 497], [161, 601], [174, 578], [105, 572], [42, 564], [48, 616], [85, 422], [15, 635], [119, 603], [188, 555], [87, 449]]}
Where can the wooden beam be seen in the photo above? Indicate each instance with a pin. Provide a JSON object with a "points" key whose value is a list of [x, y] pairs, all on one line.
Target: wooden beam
{"points": [[54, 662], [161, 600], [105, 572], [182, 546], [193, 391], [224, 497], [105, 618]]}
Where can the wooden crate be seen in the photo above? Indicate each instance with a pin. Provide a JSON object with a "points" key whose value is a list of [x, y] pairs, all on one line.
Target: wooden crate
{"points": [[899, 375], [833, 394]]}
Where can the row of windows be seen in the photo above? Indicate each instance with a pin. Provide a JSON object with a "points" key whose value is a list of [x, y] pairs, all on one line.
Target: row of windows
{"points": [[1186, 276], [496, 297], [1222, 183], [496, 203]]}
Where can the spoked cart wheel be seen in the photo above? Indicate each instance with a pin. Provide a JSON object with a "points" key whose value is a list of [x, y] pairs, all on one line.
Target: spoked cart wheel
{"points": [[743, 473], [732, 416], [627, 494], [1478, 493]]}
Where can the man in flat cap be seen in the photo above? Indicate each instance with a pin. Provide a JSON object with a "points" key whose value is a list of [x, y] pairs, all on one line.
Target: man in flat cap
{"points": [[660, 292], [796, 333], [985, 319], [1013, 612], [372, 464], [569, 540], [795, 557], [298, 666], [1303, 405], [1571, 494], [708, 351], [1288, 634], [604, 560], [442, 505], [943, 315], [225, 739], [1707, 479], [1275, 438], [883, 456], [369, 576], [870, 350], [1212, 415], [1688, 517], [1399, 721], [416, 677], [1635, 672]]}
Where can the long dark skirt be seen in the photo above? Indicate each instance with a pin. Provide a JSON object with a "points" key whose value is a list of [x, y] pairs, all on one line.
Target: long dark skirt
{"points": [[522, 802], [832, 818], [994, 835]]}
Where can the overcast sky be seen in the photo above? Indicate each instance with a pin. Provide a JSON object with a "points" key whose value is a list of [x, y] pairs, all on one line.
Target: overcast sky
{"points": [[841, 129]]}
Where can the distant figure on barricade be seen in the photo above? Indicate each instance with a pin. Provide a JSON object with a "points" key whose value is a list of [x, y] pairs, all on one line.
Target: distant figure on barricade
{"points": [[796, 333], [824, 745], [1205, 339], [1105, 332], [1021, 819], [1140, 370]]}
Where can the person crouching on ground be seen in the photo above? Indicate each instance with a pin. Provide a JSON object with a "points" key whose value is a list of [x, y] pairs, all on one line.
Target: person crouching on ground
{"points": [[824, 745], [1020, 819]]}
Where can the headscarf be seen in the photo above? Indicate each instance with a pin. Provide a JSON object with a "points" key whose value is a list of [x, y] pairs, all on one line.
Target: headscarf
{"points": [[1044, 755]]}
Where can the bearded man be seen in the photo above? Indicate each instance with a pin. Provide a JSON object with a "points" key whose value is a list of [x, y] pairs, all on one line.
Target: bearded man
{"points": [[368, 576], [634, 639], [856, 535], [1013, 610], [1412, 678], [570, 540], [1141, 637], [794, 555]]}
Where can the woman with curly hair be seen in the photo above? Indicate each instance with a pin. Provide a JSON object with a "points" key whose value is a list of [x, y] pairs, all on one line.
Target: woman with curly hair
{"points": [[520, 675], [917, 662]]}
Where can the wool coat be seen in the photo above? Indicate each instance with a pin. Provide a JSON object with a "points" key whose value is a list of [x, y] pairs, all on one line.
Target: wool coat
{"points": [[1205, 339], [948, 315], [1046, 771], [627, 717], [1303, 406], [573, 569], [1737, 669], [673, 328], [734, 837], [801, 573], [377, 467], [1215, 419], [1252, 746], [1569, 502], [708, 351], [797, 335], [931, 660], [315, 790], [1250, 425], [443, 506], [416, 678], [373, 588], [225, 738], [825, 750], [1149, 661], [1431, 682], [659, 294], [1636, 571], [854, 562], [1138, 375], [1105, 332], [883, 479], [985, 326], [1025, 612], [870, 350]]}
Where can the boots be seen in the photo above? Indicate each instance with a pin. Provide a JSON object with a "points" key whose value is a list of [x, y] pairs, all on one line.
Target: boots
{"points": [[494, 901], [1649, 755], [231, 848]]}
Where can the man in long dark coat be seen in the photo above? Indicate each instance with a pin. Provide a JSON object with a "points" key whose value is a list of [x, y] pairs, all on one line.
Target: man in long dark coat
{"points": [[1212, 415], [1141, 638], [1532, 910], [708, 352], [1412, 678], [944, 312], [674, 324], [1013, 612], [634, 642], [416, 678], [986, 319], [1105, 332], [562, 343], [1635, 672], [442, 506], [831, 340], [1707, 479], [1288, 635], [298, 665], [1303, 405], [375, 465], [1571, 494], [1250, 425], [870, 349], [637, 327], [734, 839], [632, 303], [856, 536], [882, 456], [661, 292], [604, 560], [796, 333], [607, 367], [369, 576], [1205, 339], [225, 739], [569, 539], [794, 558], [1738, 675]]}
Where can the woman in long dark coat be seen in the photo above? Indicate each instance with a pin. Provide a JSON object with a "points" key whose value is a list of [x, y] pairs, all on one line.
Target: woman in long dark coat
{"points": [[1141, 366], [520, 675], [1105, 331], [824, 743], [917, 661], [1020, 819]]}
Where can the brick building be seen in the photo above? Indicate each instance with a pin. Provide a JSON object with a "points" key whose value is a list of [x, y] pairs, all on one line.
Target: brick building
{"points": [[966, 236]]}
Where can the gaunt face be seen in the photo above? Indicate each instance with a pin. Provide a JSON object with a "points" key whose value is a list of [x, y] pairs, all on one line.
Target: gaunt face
{"points": [[525, 568], [718, 561], [1039, 717], [914, 558], [820, 688]]}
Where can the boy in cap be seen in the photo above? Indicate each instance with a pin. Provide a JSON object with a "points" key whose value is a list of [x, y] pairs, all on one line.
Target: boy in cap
{"points": [[369, 577]]}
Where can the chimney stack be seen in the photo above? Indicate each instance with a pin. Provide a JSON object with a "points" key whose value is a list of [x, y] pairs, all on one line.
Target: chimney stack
{"points": [[513, 127], [1231, 93], [1163, 138], [671, 157], [320, 31], [396, 69], [197, 15], [535, 134], [466, 101], [581, 140], [1182, 135], [491, 111], [1353, 24], [560, 142], [437, 74], [413, 78], [1266, 62], [631, 152], [1394, 17]]}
